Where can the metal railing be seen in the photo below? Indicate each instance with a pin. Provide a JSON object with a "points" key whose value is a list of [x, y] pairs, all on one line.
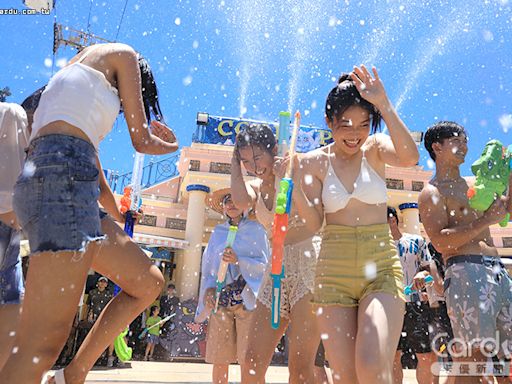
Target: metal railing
{"points": [[152, 173]]}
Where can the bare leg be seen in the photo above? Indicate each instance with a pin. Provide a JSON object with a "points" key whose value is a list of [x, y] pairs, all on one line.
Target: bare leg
{"points": [[123, 262], [304, 337], [220, 373], [53, 288], [380, 318], [262, 342], [398, 373], [338, 327], [148, 349], [9, 314], [424, 369]]}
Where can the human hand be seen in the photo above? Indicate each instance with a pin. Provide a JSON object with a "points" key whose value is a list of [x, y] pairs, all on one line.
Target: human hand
{"points": [[497, 211], [236, 161], [229, 256], [370, 88], [281, 164], [163, 132], [418, 281], [209, 298]]}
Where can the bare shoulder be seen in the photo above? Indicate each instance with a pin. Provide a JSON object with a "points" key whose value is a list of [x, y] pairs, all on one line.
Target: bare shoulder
{"points": [[428, 191], [372, 145], [431, 199], [120, 53], [315, 162]]}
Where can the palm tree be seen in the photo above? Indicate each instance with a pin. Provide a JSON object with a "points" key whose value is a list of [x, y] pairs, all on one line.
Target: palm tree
{"points": [[4, 93]]}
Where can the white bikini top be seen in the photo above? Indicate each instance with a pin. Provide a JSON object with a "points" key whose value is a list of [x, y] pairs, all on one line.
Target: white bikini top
{"points": [[81, 96], [369, 188]]}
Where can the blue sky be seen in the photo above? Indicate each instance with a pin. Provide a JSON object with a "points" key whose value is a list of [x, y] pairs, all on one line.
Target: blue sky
{"points": [[438, 59]]}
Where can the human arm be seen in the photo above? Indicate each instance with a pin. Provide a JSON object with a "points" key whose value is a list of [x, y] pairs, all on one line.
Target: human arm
{"points": [[307, 196], [129, 86], [398, 149], [446, 238], [242, 193], [106, 198]]}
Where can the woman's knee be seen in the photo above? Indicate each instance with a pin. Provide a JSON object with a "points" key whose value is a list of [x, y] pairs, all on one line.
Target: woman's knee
{"points": [[146, 285]]}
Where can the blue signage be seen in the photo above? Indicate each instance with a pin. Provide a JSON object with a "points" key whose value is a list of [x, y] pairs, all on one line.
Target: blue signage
{"points": [[223, 130]]}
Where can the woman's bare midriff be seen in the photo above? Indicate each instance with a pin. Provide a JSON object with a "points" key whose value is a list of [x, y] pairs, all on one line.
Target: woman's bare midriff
{"points": [[61, 127], [357, 213]]}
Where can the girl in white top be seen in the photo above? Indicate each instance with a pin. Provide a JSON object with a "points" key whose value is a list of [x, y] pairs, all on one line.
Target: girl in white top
{"points": [[358, 288], [256, 148], [55, 201]]}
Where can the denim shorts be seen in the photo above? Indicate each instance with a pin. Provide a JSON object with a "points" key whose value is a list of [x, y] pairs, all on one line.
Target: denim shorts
{"points": [[11, 275], [153, 339], [56, 195]]}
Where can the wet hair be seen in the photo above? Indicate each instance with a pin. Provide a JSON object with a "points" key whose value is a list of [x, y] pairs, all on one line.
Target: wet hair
{"points": [[392, 213], [152, 310], [440, 131], [149, 91], [257, 135], [345, 95], [31, 103]]}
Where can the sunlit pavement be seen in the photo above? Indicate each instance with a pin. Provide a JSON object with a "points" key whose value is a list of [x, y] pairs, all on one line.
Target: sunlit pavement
{"points": [[159, 373]]}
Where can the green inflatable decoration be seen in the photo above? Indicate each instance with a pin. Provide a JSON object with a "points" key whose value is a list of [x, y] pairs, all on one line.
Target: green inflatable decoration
{"points": [[492, 171], [123, 351]]}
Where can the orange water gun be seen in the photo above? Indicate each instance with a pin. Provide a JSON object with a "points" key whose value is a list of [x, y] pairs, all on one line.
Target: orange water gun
{"points": [[282, 212]]}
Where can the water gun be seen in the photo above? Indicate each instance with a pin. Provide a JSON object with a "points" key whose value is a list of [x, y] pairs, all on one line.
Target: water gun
{"points": [[221, 276], [145, 331], [282, 212], [131, 201], [492, 171], [428, 280], [123, 351], [223, 267]]}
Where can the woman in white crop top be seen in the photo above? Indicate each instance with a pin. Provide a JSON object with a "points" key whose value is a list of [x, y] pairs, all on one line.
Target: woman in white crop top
{"points": [[56, 202], [256, 148], [358, 286]]}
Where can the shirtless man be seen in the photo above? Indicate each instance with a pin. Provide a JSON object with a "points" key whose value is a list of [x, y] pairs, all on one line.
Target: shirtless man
{"points": [[477, 287]]}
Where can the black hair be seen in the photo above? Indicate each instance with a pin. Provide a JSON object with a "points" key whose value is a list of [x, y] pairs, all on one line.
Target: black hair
{"points": [[171, 285], [345, 95], [258, 135], [149, 91], [392, 213], [440, 131], [31, 102], [153, 307]]}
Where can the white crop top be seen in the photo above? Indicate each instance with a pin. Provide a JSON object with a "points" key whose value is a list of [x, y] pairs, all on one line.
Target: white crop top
{"points": [[81, 96], [369, 188]]}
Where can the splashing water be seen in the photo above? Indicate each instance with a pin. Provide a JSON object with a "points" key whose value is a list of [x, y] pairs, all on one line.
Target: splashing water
{"points": [[438, 44]]}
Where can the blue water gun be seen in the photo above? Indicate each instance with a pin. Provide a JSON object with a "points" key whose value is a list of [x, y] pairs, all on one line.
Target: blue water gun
{"points": [[282, 212], [408, 290]]}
